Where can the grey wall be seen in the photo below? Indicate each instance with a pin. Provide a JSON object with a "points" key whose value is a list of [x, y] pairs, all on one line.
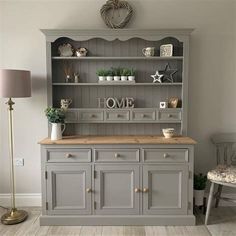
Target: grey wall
{"points": [[212, 80]]}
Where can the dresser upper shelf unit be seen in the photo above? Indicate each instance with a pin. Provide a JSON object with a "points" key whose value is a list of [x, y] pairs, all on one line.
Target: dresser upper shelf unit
{"points": [[118, 58]]}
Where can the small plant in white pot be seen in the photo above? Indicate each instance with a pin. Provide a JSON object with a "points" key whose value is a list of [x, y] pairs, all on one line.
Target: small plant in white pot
{"points": [[131, 76], [124, 74], [109, 76], [199, 188], [56, 116], [116, 73], [101, 73]]}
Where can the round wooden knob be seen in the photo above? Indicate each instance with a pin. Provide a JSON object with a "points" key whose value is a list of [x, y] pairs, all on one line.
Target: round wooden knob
{"points": [[117, 155], [136, 190], [92, 116], [166, 155], [145, 190], [169, 115], [68, 155], [88, 190]]}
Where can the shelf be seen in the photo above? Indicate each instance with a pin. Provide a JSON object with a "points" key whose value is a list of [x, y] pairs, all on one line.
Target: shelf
{"points": [[117, 84], [118, 58]]}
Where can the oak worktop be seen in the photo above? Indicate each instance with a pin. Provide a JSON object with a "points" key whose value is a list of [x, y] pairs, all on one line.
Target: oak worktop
{"points": [[118, 139]]}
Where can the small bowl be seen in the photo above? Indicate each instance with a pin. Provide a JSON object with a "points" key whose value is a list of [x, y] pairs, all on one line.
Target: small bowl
{"points": [[168, 133]]}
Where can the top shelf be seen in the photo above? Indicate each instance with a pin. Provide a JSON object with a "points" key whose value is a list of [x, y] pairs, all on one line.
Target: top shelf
{"points": [[118, 58]]}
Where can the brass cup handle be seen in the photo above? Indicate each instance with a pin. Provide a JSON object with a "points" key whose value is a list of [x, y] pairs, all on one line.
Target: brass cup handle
{"points": [[68, 155], [136, 190], [145, 190], [88, 190]]}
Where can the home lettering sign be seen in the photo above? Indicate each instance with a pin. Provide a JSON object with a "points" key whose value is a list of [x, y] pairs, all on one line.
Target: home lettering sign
{"points": [[112, 103]]}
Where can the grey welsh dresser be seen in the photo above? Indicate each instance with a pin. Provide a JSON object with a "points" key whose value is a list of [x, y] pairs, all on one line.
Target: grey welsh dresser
{"points": [[113, 166]]}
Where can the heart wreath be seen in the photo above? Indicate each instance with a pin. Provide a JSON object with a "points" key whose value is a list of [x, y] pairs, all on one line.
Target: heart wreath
{"points": [[116, 5]]}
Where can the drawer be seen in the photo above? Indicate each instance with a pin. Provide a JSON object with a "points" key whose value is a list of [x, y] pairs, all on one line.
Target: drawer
{"points": [[116, 155], [90, 116], [170, 115], [71, 116], [69, 155], [165, 155], [112, 115], [143, 115]]}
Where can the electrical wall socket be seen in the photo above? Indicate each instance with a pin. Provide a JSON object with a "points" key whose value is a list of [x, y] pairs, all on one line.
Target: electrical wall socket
{"points": [[18, 161]]}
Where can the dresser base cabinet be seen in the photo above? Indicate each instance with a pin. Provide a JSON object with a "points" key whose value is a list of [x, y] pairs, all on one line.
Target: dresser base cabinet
{"points": [[114, 184]]}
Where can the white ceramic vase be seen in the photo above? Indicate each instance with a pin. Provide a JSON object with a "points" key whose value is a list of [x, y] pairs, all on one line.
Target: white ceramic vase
{"points": [[57, 131], [199, 196]]}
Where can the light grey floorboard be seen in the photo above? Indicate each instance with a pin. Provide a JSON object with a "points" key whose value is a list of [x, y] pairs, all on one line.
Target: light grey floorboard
{"points": [[222, 222]]}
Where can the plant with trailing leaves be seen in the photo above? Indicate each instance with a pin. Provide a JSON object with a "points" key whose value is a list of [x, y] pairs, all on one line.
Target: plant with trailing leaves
{"points": [[55, 115], [200, 181]]}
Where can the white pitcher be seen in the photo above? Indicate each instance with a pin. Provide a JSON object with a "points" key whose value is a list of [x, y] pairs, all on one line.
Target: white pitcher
{"points": [[57, 131]]}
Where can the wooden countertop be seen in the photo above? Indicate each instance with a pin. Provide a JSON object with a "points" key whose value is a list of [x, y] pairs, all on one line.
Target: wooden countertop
{"points": [[135, 139]]}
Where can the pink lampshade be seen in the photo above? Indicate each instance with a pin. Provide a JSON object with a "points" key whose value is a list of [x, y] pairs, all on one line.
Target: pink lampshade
{"points": [[15, 83]]}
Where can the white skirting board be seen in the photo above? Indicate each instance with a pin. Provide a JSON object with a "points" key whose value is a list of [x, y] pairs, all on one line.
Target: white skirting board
{"points": [[22, 199], [34, 199]]}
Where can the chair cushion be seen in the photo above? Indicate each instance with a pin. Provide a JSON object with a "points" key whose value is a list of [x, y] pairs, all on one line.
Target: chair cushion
{"points": [[223, 173]]}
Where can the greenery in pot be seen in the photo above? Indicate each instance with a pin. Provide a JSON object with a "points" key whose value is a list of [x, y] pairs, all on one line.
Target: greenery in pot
{"points": [[109, 73], [55, 115], [101, 72], [125, 72], [200, 181], [132, 72], [116, 71]]}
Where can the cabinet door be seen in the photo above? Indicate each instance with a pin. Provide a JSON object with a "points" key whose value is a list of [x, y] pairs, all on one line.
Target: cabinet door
{"points": [[166, 189], [68, 189], [115, 189]]}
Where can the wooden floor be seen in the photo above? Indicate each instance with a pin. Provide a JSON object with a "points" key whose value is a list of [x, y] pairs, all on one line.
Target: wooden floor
{"points": [[222, 222]]}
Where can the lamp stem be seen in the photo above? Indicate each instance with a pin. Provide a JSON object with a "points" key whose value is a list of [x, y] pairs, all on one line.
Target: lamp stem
{"points": [[10, 104]]}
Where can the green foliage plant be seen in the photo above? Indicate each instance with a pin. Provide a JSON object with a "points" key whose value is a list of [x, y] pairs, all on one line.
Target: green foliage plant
{"points": [[200, 181], [55, 115]]}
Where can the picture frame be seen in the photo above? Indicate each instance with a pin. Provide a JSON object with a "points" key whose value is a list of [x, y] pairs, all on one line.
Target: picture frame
{"points": [[166, 50], [173, 102]]}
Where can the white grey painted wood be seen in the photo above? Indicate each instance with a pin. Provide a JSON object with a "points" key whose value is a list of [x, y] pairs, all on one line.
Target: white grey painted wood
{"points": [[115, 189], [209, 203], [66, 189], [167, 189]]}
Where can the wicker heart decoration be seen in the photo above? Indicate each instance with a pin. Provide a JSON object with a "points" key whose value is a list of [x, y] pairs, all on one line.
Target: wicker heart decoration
{"points": [[116, 5]]}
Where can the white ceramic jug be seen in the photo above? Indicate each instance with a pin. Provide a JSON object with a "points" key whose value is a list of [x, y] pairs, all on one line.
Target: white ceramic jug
{"points": [[57, 132]]}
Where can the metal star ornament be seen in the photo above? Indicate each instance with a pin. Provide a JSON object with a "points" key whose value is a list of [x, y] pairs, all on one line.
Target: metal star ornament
{"points": [[157, 77], [168, 73]]}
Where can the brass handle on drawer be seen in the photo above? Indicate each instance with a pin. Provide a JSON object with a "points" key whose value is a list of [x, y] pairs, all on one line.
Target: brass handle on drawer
{"points": [[145, 190], [136, 190], [169, 115], [68, 155], [117, 155], [165, 155], [88, 190]]}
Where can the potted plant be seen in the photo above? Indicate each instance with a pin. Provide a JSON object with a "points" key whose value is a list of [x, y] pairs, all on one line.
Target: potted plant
{"points": [[56, 116], [131, 76], [101, 73], [199, 188], [116, 73], [109, 75], [124, 74]]}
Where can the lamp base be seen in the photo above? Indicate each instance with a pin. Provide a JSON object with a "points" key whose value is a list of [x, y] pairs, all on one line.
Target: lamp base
{"points": [[14, 217]]}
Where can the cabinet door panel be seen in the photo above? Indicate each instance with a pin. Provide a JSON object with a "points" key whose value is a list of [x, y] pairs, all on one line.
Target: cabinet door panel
{"points": [[66, 189], [167, 189], [115, 189]]}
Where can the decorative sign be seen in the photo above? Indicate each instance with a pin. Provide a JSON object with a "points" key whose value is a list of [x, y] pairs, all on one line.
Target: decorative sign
{"points": [[168, 74], [116, 103], [157, 77], [166, 50], [163, 105]]}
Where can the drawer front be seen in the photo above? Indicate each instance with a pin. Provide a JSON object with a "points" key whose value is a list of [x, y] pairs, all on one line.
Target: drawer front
{"points": [[71, 116], [165, 155], [90, 116], [116, 155], [69, 155], [117, 115], [170, 115], [144, 115]]}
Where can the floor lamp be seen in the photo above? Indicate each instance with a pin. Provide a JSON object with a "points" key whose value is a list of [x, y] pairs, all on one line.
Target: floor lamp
{"points": [[13, 84]]}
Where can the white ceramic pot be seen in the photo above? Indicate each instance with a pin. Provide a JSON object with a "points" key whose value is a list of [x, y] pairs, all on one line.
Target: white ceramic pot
{"points": [[101, 78], [116, 78], [124, 78], [109, 78], [57, 131], [131, 78], [199, 196]]}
